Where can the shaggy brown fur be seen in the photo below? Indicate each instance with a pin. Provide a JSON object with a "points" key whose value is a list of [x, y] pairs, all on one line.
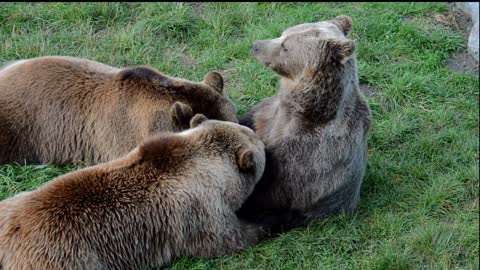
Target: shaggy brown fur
{"points": [[65, 110], [315, 130], [175, 195]]}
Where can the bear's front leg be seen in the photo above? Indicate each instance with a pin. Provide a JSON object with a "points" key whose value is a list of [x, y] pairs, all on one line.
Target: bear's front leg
{"points": [[248, 119], [237, 237]]}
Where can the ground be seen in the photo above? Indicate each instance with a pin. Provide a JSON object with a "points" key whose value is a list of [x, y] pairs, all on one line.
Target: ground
{"points": [[420, 199]]}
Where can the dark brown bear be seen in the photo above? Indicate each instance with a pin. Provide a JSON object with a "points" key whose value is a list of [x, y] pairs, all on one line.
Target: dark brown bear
{"points": [[314, 130], [175, 195], [64, 110]]}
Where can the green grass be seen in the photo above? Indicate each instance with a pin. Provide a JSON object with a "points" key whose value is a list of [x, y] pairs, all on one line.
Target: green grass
{"points": [[420, 198]]}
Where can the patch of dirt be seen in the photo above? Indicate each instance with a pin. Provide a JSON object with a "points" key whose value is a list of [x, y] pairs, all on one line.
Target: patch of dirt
{"points": [[198, 7], [462, 62], [455, 19], [371, 91], [187, 60], [460, 21], [183, 58], [407, 19], [177, 55], [368, 90], [228, 73]]}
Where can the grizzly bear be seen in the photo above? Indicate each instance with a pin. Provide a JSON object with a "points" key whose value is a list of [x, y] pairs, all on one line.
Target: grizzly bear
{"points": [[64, 110], [175, 195], [314, 130]]}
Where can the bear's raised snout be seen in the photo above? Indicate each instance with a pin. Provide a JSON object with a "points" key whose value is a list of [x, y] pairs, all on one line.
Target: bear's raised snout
{"points": [[261, 51], [255, 46], [259, 46]]}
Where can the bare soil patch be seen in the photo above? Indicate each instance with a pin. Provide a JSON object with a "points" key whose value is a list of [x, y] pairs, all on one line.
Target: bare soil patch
{"points": [[462, 62], [459, 21], [368, 90]]}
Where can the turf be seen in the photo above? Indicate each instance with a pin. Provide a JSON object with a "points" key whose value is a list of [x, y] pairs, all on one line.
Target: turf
{"points": [[420, 197]]}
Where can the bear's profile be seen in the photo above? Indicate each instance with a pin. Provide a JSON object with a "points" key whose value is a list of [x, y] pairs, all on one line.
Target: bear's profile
{"points": [[314, 130], [174, 195], [64, 110]]}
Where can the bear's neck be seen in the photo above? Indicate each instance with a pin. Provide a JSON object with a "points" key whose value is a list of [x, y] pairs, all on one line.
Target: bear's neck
{"points": [[318, 98]]}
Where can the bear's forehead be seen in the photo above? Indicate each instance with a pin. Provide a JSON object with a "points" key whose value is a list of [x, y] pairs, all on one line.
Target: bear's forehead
{"points": [[326, 28], [232, 127], [217, 126]]}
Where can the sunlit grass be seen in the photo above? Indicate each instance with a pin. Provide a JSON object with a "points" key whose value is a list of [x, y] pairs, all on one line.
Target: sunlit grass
{"points": [[419, 207]]}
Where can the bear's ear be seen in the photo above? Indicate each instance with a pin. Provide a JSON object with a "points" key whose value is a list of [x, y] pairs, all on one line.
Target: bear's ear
{"points": [[342, 50], [181, 114], [197, 120], [215, 80], [344, 23], [245, 159]]}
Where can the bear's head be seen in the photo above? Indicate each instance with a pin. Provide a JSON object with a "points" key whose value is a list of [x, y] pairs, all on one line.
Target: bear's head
{"points": [[242, 156], [206, 98], [189, 98], [224, 109], [232, 153], [307, 47], [239, 144]]}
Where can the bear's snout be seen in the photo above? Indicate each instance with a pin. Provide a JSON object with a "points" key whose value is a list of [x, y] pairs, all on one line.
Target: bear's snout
{"points": [[255, 46], [261, 51], [259, 46]]}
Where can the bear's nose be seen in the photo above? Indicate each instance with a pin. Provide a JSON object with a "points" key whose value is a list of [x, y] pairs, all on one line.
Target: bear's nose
{"points": [[255, 46]]}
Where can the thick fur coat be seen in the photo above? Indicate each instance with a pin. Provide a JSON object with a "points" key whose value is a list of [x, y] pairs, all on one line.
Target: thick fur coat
{"points": [[314, 130], [65, 110], [174, 195]]}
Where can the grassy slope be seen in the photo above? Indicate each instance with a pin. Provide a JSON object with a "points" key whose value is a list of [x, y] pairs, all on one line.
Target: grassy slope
{"points": [[419, 205]]}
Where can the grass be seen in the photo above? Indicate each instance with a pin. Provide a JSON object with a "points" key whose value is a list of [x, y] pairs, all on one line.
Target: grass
{"points": [[420, 197]]}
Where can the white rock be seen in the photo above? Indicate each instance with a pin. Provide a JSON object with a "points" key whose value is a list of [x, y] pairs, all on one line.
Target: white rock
{"points": [[473, 42], [472, 8]]}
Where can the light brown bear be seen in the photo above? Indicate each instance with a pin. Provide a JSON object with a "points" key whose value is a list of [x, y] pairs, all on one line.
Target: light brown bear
{"points": [[64, 110], [314, 130], [175, 195]]}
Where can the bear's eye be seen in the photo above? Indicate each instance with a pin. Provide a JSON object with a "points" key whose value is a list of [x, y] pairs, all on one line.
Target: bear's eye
{"points": [[283, 47]]}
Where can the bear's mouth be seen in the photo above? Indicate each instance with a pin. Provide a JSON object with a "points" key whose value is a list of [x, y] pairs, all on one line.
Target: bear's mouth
{"points": [[262, 61]]}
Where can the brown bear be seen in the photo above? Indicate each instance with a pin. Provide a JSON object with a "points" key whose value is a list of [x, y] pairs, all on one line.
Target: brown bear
{"points": [[64, 110], [315, 130], [174, 195]]}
